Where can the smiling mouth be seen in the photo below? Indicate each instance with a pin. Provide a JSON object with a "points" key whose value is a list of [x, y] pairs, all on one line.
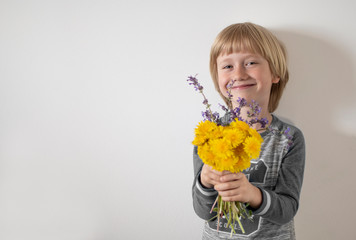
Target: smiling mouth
{"points": [[244, 86]]}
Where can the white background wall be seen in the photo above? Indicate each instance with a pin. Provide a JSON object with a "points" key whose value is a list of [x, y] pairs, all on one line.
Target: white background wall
{"points": [[96, 117]]}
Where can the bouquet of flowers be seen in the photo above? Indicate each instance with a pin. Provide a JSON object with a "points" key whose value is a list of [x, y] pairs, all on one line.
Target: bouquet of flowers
{"points": [[229, 147]]}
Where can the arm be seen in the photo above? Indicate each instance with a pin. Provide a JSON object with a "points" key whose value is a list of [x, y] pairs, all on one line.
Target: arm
{"points": [[203, 198], [279, 205]]}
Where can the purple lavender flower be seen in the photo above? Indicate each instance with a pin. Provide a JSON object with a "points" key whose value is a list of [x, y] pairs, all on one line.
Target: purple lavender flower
{"points": [[285, 133], [237, 111], [194, 81], [209, 116], [216, 116], [255, 109], [229, 94], [263, 122], [289, 137], [242, 102], [206, 116], [223, 107], [230, 84]]}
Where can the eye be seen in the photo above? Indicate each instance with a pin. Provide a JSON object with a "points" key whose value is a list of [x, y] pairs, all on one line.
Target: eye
{"points": [[227, 67], [250, 63]]}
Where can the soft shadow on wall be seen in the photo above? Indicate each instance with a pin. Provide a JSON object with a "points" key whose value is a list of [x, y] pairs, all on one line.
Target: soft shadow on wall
{"points": [[320, 99]]}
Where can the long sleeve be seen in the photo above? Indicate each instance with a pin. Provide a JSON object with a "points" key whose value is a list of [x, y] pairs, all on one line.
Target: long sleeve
{"points": [[281, 202], [203, 198]]}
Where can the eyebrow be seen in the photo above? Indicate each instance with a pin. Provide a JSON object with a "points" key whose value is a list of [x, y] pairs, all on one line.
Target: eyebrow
{"points": [[249, 55]]}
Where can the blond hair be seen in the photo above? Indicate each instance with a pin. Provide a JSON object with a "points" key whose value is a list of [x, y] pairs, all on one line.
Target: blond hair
{"points": [[249, 37]]}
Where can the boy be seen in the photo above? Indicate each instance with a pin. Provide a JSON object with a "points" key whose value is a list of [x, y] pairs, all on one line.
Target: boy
{"points": [[254, 59]]}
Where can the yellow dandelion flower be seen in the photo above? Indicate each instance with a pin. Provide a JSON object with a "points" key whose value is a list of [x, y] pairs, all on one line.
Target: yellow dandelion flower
{"points": [[255, 134], [240, 125], [252, 147], [216, 133], [241, 165], [206, 155], [245, 158], [234, 135], [205, 127], [221, 147], [236, 161], [202, 132], [239, 150], [199, 140], [225, 164]]}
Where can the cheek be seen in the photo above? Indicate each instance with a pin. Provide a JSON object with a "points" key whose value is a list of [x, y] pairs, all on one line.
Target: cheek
{"points": [[222, 87]]}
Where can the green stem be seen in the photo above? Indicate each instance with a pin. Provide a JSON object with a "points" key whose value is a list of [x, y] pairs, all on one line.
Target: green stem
{"points": [[238, 217], [238, 220], [216, 200]]}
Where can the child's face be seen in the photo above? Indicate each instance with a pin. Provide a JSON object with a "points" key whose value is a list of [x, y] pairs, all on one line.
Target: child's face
{"points": [[252, 74]]}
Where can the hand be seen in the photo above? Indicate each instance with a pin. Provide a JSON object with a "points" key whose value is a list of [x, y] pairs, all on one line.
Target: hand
{"points": [[209, 177], [236, 187]]}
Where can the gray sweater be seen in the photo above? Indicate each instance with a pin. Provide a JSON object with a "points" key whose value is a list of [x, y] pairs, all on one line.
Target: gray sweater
{"points": [[278, 173]]}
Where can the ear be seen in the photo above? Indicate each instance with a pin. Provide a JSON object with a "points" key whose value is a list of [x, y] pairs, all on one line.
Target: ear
{"points": [[276, 79]]}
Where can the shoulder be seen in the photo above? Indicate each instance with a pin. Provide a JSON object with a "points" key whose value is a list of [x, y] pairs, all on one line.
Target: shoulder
{"points": [[286, 133], [285, 126]]}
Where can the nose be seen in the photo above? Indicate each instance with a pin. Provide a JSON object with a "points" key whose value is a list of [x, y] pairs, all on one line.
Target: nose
{"points": [[239, 73]]}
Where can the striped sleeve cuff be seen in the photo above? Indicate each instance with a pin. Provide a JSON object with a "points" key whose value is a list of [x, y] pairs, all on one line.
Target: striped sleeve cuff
{"points": [[209, 192], [266, 203]]}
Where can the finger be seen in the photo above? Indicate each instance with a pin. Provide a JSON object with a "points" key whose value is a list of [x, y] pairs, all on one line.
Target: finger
{"points": [[209, 169], [214, 178], [214, 182], [206, 182], [232, 198], [217, 172], [227, 186], [231, 177], [209, 179], [231, 195], [211, 174]]}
